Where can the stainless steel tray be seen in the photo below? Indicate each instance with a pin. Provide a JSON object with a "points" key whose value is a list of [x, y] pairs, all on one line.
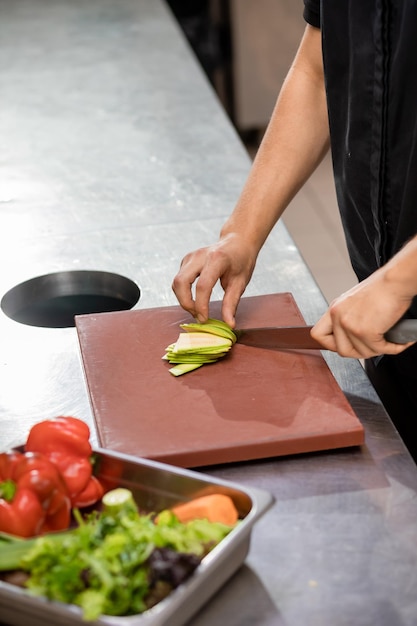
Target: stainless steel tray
{"points": [[155, 486]]}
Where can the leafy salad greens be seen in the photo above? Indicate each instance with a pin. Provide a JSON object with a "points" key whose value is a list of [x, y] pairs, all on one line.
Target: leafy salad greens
{"points": [[117, 561]]}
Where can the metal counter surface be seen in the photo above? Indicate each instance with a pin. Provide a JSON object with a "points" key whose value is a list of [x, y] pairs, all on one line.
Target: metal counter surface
{"points": [[117, 156]]}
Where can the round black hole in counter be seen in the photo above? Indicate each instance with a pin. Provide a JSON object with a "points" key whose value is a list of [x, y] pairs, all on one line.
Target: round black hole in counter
{"points": [[53, 300]]}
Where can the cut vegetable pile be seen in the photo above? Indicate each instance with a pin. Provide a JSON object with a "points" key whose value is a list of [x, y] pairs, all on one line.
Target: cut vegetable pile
{"points": [[117, 561], [199, 345], [114, 560]]}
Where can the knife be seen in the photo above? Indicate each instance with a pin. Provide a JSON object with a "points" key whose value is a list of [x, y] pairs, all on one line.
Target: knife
{"points": [[299, 338]]}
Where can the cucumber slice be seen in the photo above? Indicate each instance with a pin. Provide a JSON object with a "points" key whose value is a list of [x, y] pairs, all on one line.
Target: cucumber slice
{"points": [[200, 344], [184, 368], [119, 499]]}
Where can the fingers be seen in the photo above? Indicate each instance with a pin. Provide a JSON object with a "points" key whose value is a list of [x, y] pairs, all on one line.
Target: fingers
{"points": [[231, 300], [322, 332], [195, 266], [353, 343], [233, 282], [203, 268], [183, 282], [231, 260], [204, 287]]}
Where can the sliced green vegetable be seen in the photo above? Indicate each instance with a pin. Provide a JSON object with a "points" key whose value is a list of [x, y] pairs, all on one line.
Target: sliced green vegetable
{"points": [[183, 368], [212, 326], [200, 344], [119, 499]]}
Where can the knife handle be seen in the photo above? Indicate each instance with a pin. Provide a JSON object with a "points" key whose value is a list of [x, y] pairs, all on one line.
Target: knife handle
{"points": [[402, 332]]}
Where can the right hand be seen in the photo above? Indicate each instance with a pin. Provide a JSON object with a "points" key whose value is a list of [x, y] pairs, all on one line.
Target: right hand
{"points": [[231, 260]]}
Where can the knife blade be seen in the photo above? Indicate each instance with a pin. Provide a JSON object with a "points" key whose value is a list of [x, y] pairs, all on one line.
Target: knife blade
{"points": [[279, 337], [299, 337]]}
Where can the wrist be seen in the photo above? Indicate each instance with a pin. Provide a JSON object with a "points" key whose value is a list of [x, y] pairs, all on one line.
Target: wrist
{"points": [[240, 240], [249, 228], [401, 270]]}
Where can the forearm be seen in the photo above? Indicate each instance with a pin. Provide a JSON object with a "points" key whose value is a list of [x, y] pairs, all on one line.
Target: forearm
{"points": [[295, 142]]}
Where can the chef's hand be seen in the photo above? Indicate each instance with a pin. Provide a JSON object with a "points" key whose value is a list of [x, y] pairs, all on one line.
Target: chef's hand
{"points": [[355, 323], [231, 261]]}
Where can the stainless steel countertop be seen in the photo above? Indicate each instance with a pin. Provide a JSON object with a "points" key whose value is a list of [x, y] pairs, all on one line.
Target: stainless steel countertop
{"points": [[117, 156]]}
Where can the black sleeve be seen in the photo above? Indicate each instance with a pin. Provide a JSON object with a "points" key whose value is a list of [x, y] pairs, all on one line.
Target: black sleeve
{"points": [[312, 12]]}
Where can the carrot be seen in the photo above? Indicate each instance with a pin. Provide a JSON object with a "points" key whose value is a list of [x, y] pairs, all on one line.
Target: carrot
{"points": [[215, 508]]}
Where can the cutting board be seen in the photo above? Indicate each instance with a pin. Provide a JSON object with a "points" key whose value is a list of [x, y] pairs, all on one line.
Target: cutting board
{"points": [[255, 403]]}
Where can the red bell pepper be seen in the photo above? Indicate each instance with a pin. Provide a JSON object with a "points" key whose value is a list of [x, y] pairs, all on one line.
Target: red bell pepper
{"points": [[33, 495], [65, 441]]}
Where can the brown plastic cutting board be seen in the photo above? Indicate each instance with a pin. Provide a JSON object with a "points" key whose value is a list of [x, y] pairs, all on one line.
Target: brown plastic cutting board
{"points": [[255, 403]]}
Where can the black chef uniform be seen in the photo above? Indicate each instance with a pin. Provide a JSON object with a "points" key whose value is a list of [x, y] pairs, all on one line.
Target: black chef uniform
{"points": [[370, 63]]}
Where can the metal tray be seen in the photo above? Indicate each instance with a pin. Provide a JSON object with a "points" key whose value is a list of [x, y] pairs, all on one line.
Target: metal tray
{"points": [[155, 486]]}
